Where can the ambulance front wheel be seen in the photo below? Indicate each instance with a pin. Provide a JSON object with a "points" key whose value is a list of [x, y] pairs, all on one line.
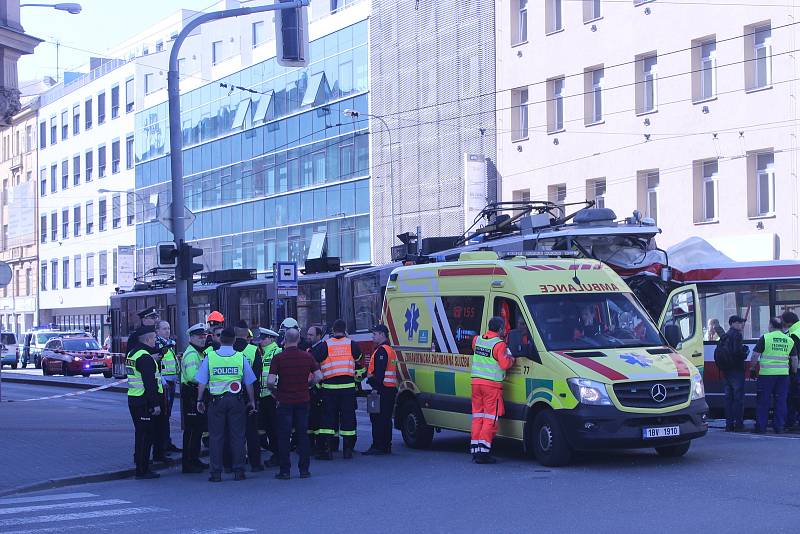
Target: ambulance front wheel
{"points": [[417, 434], [673, 451], [549, 442]]}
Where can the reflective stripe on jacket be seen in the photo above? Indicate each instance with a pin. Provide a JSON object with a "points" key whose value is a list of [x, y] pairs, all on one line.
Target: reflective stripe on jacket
{"points": [[484, 364], [390, 374], [169, 364], [774, 360], [340, 360], [225, 373], [269, 352], [135, 381], [190, 365]]}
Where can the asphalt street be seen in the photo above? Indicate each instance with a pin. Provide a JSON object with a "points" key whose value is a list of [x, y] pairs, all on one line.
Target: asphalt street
{"points": [[726, 483]]}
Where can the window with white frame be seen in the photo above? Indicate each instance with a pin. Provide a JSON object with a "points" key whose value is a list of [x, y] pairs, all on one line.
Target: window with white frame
{"points": [[555, 108], [708, 69], [646, 95], [129, 152], [90, 270], [762, 56], [520, 8], [76, 275], [591, 10], [103, 267], [76, 223], [216, 52], [519, 114], [54, 274], [765, 183], [593, 95], [43, 275], [148, 83], [598, 190], [65, 273], [130, 208], [553, 21], [129, 95], [54, 226], [259, 33], [710, 200], [651, 182]]}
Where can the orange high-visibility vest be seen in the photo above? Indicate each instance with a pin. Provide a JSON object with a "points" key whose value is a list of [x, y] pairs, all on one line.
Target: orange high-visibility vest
{"points": [[390, 375], [340, 360]]}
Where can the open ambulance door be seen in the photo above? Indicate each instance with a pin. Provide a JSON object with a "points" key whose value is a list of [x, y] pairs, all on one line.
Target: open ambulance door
{"points": [[682, 325]]}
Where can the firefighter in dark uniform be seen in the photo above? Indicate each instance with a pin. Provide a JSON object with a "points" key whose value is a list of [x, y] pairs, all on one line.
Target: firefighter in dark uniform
{"points": [[313, 340], [194, 423], [145, 392]]}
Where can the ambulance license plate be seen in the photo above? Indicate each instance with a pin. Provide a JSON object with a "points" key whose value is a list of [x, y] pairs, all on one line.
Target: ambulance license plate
{"points": [[661, 432]]}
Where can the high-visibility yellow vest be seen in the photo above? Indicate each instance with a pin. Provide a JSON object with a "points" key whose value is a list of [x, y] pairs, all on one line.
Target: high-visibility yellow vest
{"points": [[269, 352], [169, 364], [135, 382], [250, 352], [190, 365], [225, 373], [483, 363], [774, 360]]}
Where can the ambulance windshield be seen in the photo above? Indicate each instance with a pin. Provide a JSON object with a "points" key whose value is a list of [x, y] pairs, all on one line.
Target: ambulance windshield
{"points": [[592, 321]]}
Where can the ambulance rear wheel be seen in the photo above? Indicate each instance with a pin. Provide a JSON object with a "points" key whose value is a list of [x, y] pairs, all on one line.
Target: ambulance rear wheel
{"points": [[673, 451], [417, 434], [549, 442]]}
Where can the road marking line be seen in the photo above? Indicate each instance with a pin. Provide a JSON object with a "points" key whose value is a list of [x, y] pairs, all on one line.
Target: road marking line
{"points": [[82, 515], [74, 393], [231, 530], [105, 526], [81, 504], [45, 498]]}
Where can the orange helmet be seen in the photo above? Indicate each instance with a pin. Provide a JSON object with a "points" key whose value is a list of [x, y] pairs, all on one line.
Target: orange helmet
{"points": [[216, 317]]}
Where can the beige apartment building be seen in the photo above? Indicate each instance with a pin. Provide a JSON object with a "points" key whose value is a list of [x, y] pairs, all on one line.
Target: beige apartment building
{"points": [[19, 240], [685, 112]]}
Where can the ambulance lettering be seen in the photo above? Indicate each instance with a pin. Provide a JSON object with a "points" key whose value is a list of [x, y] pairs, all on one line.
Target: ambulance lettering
{"points": [[575, 288]]}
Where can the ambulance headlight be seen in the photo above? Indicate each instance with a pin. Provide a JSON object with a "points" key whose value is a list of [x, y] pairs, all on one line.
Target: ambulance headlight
{"points": [[698, 390], [589, 391]]}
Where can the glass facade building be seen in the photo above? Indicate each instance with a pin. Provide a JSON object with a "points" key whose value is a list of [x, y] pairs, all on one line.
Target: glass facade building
{"points": [[269, 159]]}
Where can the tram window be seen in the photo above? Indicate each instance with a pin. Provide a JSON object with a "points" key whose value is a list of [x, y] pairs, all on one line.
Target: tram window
{"points": [[366, 301], [748, 300], [787, 293], [311, 308], [253, 307]]}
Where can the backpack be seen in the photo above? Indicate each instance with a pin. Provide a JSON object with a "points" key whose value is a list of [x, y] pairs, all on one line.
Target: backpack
{"points": [[723, 355]]}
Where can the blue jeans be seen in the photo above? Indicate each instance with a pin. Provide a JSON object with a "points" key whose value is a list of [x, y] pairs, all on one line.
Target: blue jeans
{"points": [[293, 416], [734, 397], [769, 386]]}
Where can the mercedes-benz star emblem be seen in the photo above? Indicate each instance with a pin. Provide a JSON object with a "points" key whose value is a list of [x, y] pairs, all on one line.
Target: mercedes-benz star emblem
{"points": [[658, 392]]}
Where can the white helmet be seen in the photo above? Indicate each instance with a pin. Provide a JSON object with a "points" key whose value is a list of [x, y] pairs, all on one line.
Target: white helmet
{"points": [[289, 322]]}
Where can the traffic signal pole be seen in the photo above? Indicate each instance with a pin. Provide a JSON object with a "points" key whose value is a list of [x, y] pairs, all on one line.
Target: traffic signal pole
{"points": [[176, 149]]}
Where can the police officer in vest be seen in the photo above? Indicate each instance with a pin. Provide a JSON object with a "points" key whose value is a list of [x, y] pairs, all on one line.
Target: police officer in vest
{"points": [[223, 372], [267, 340], [774, 353], [147, 317], [337, 357], [382, 377], [253, 354], [194, 423], [490, 360], [169, 375], [145, 393]]}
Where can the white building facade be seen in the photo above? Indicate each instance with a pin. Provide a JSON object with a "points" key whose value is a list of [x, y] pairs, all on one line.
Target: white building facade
{"points": [[688, 116]]}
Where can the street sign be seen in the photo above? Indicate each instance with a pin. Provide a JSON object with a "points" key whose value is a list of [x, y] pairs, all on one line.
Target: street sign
{"points": [[286, 278], [165, 217], [5, 274]]}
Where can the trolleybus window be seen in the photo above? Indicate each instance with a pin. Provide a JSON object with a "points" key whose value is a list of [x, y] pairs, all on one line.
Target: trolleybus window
{"points": [[311, 307], [253, 307], [366, 301], [719, 302]]}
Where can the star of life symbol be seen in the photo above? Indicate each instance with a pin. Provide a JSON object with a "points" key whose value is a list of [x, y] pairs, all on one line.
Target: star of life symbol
{"points": [[412, 321], [637, 359]]}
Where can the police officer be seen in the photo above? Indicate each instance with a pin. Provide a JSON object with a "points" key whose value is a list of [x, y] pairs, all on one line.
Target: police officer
{"points": [[313, 339], [194, 423], [169, 375], [253, 355], [147, 317], [774, 353], [382, 377], [223, 372], [337, 357], [267, 340], [145, 393]]}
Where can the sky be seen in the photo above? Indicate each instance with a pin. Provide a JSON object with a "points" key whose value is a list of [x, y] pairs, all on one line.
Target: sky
{"points": [[97, 28]]}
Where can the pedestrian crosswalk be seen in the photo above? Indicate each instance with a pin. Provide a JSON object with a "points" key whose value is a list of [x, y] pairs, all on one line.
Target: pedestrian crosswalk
{"points": [[60, 512]]}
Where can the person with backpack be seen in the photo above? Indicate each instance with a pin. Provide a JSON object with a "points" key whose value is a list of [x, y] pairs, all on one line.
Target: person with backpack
{"points": [[730, 355]]}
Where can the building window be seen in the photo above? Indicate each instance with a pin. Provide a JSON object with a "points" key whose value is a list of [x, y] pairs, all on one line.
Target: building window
{"points": [[646, 95], [90, 270], [519, 21], [76, 119], [65, 223], [758, 56], [53, 178], [76, 223], [101, 214], [76, 276], [115, 102], [115, 156], [101, 161], [42, 182], [28, 281], [553, 22], [555, 108], [181, 67], [557, 193], [65, 273], [28, 138], [76, 170], [591, 10], [761, 183], [53, 130], [87, 112], [54, 227], [521, 195], [129, 95], [42, 134], [53, 274], [148, 83], [65, 174], [114, 266], [596, 190], [519, 114], [89, 218], [103, 270], [648, 182], [704, 69], [101, 108], [706, 191], [159, 46], [259, 33], [43, 276], [130, 208], [116, 211], [43, 229], [129, 152], [64, 124], [216, 52], [89, 162], [593, 95]]}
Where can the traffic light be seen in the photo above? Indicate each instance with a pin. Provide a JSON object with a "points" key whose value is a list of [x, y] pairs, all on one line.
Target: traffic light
{"points": [[167, 254], [291, 36], [186, 265]]}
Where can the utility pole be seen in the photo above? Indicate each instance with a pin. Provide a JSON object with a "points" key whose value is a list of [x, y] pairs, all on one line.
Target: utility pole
{"points": [[176, 135]]}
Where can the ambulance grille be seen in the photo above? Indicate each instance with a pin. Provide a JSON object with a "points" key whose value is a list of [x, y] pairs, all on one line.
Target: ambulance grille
{"points": [[640, 394]]}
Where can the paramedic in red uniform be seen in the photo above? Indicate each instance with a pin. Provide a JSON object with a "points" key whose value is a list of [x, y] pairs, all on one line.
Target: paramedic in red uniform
{"points": [[490, 360]]}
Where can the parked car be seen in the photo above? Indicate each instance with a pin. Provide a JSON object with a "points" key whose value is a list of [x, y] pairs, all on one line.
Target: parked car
{"points": [[8, 347], [75, 355], [33, 343]]}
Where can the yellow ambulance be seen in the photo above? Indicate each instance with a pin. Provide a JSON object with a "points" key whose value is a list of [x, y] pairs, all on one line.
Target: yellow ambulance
{"points": [[592, 371]]}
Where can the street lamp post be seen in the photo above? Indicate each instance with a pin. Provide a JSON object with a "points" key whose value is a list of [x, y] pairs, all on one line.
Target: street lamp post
{"points": [[71, 8], [353, 114]]}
